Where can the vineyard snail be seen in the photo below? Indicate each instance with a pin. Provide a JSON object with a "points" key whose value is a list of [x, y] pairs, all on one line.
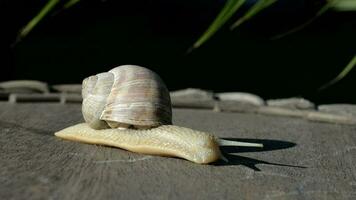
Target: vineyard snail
{"points": [[129, 107]]}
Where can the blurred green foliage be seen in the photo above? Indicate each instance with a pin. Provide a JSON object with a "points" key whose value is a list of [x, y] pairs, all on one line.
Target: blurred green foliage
{"points": [[228, 11]]}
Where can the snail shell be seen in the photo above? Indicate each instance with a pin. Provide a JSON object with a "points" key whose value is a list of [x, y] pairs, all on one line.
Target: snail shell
{"points": [[126, 96], [134, 97]]}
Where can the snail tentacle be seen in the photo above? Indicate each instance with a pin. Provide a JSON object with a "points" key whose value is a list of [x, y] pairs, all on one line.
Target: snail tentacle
{"points": [[223, 142]]}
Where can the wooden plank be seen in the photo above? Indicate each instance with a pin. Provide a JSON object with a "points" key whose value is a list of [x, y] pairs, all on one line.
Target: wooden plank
{"points": [[301, 160]]}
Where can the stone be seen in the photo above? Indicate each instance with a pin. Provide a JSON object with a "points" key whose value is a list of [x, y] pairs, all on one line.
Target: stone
{"points": [[192, 93], [71, 98], [68, 88], [310, 115], [330, 118], [341, 109], [292, 103], [242, 97], [271, 110], [192, 98], [24, 86]]}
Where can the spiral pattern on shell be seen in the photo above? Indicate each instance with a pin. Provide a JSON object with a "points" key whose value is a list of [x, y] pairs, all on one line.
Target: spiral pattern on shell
{"points": [[126, 96]]}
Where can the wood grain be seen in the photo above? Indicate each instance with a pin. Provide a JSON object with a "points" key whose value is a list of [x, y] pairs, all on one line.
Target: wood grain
{"points": [[301, 160]]}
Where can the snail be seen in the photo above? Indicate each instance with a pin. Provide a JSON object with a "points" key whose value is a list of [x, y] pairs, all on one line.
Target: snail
{"points": [[129, 107]]}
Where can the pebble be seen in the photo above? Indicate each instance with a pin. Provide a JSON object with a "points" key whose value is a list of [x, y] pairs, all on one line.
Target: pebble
{"points": [[193, 98], [68, 88], [192, 93], [24, 86], [340, 109], [292, 103], [241, 97]]}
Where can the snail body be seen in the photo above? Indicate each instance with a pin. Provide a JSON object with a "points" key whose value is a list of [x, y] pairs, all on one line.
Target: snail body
{"points": [[129, 107], [165, 140]]}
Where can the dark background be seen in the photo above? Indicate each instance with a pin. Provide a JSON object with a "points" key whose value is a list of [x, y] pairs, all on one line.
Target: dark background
{"points": [[95, 36]]}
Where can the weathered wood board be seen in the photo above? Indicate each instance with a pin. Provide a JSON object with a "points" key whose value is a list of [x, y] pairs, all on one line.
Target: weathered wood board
{"points": [[301, 160]]}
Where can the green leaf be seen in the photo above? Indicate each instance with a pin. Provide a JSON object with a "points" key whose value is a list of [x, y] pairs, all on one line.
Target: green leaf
{"points": [[230, 7], [342, 74], [43, 12], [345, 5], [255, 9], [70, 3], [51, 4], [322, 10]]}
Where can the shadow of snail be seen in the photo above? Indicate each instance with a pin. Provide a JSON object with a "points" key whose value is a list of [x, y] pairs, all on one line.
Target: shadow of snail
{"points": [[268, 145]]}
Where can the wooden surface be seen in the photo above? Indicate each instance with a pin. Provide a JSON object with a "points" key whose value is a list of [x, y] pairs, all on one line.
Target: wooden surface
{"points": [[301, 160]]}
